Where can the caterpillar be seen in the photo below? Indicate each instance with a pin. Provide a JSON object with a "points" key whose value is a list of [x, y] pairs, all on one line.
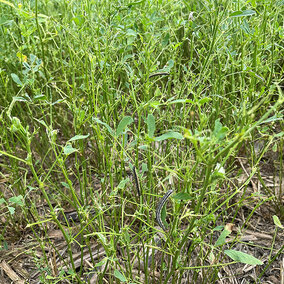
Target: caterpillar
{"points": [[136, 181], [160, 208]]}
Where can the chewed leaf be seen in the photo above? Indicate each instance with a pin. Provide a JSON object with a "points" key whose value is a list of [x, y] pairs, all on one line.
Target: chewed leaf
{"points": [[68, 149], [242, 257]]}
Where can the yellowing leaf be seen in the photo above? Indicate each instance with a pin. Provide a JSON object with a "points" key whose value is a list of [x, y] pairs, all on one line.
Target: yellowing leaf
{"points": [[22, 57]]}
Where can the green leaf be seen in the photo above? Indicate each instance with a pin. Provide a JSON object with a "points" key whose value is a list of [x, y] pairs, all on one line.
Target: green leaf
{"points": [[78, 137], [204, 101], [11, 210], [49, 277], [182, 196], [277, 222], [126, 236], [123, 123], [17, 200], [5, 245], [39, 97], [273, 118], [2, 200], [170, 64], [16, 79], [144, 168], [151, 125], [165, 40], [222, 238], [242, 13], [65, 184], [131, 32], [280, 134], [104, 124], [71, 272], [242, 257], [219, 131], [155, 104], [20, 99], [16, 125], [218, 228], [143, 147], [101, 262], [119, 276], [102, 238], [220, 170], [170, 135], [123, 183], [68, 149]]}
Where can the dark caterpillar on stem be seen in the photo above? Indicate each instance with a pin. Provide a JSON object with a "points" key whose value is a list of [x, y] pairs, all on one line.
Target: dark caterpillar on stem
{"points": [[160, 208]]}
